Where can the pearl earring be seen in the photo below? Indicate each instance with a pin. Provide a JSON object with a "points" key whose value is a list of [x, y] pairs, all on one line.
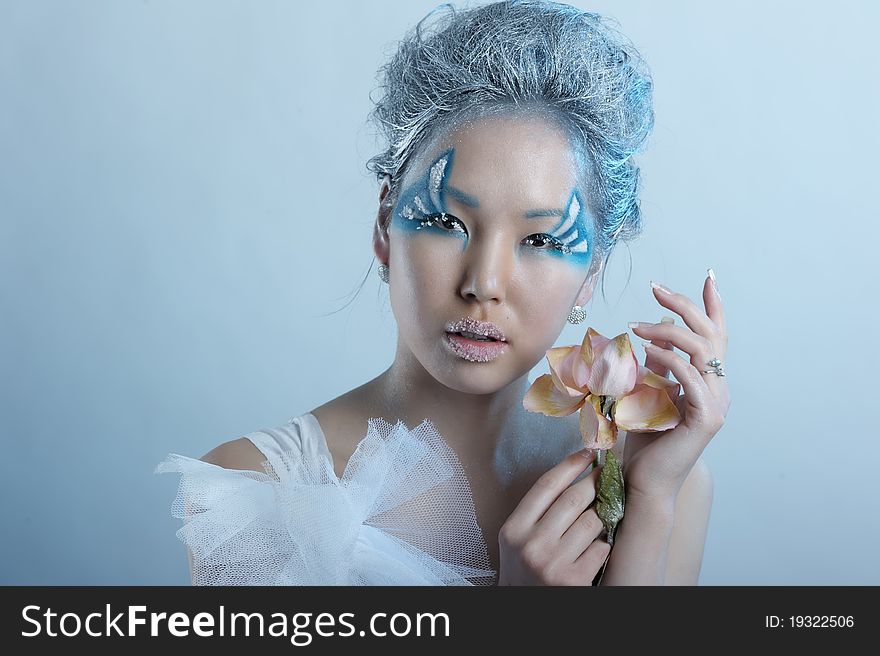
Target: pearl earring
{"points": [[383, 272], [577, 314]]}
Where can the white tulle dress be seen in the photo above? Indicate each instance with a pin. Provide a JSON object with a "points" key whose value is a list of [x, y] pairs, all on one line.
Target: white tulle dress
{"points": [[402, 513]]}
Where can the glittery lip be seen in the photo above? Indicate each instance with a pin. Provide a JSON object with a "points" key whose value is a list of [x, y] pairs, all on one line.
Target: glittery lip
{"points": [[484, 328], [473, 350]]}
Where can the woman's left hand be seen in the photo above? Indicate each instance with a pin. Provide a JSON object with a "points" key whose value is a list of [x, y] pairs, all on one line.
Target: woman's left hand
{"points": [[656, 464]]}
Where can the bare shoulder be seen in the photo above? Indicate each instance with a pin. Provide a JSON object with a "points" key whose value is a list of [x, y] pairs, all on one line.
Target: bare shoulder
{"points": [[236, 454], [343, 422]]}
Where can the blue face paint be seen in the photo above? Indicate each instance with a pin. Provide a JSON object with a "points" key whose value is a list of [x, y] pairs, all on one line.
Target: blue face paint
{"points": [[571, 238], [423, 205], [573, 230]]}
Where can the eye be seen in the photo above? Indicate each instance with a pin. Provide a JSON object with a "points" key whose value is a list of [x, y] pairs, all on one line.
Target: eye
{"points": [[444, 221], [546, 242]]}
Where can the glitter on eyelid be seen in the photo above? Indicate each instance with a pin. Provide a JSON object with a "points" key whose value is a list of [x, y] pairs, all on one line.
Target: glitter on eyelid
{"points": [[421, 205], [436, 176]]}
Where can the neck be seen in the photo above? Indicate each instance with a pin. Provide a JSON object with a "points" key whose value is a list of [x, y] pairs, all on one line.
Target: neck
{"points": [[474, 425]]}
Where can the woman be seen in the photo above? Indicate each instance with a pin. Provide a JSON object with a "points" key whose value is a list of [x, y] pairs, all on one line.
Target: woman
{"points": [[506, 182]]}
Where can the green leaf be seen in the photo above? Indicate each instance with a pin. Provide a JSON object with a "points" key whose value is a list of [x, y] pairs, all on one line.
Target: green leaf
{"points": [[611, 499]]}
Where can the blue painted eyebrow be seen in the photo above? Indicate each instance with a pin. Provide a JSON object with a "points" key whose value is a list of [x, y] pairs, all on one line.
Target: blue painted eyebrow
{"points": [[462, 197], [534, 214]]}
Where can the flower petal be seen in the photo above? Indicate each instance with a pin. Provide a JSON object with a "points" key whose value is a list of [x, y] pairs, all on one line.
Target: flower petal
{"points": [[577, 371], [646, 409], [597, 340], [581, 367], [648, 377], [615, 368], [544, 397], [560, 361], [596, 431]]}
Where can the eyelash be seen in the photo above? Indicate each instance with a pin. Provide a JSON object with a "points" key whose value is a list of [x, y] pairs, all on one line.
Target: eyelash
{"points": [[553, 241], [442, 218]]}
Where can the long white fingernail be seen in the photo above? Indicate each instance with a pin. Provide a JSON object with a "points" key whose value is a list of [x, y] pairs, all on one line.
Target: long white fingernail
{"points": [[658, 286], [714, 282]]}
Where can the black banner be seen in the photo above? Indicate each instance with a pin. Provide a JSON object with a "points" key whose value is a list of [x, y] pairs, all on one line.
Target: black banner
{"points": [[324, 619]]}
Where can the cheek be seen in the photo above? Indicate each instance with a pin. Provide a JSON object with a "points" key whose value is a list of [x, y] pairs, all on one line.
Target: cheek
{"points": [[424, 271], [547, 280], [544, 296], [424, 260]]}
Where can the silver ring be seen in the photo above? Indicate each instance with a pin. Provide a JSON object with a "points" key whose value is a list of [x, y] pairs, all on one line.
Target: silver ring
{"points": [[716, 369]]}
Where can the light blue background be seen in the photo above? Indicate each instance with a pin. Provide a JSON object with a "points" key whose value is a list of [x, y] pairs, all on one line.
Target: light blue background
{"points": [[183, 194]]}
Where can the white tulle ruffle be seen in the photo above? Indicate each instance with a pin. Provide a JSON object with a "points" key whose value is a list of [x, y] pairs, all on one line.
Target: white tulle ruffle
{"points": [[402, 514]]}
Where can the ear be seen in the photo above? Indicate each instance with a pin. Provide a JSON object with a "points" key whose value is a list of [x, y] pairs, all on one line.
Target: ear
{"points": [[381, 247]]}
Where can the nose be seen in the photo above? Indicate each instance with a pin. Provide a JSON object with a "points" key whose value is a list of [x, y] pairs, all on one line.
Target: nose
{"points": [[488, 266]]}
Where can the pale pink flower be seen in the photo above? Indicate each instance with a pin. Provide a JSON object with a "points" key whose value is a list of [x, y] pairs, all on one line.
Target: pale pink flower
{"points": [[603, 379]]}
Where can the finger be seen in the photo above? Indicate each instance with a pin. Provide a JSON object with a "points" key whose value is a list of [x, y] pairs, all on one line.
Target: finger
{"points": [[700, 358], [715, 310], [586, 528], [699, 400], [564, 511], [712, 301], [590, 562], [694, 317], [661, 368], [547, 489], [650, 361], [663, 343], [699, 348]]}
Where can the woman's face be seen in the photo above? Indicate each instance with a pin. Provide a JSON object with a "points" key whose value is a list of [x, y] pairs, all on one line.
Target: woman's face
{"points": [[491, 225]]}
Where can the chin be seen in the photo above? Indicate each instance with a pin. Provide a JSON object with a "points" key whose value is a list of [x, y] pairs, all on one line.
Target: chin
{"points": [[470, 378]]}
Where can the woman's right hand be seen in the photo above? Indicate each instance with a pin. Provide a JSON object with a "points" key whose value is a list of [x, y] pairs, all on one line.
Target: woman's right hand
{"points": [[552, 537]]}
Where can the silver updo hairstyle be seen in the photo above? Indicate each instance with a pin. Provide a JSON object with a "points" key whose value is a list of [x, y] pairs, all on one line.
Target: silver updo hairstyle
{"points": [[523, 55]]}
